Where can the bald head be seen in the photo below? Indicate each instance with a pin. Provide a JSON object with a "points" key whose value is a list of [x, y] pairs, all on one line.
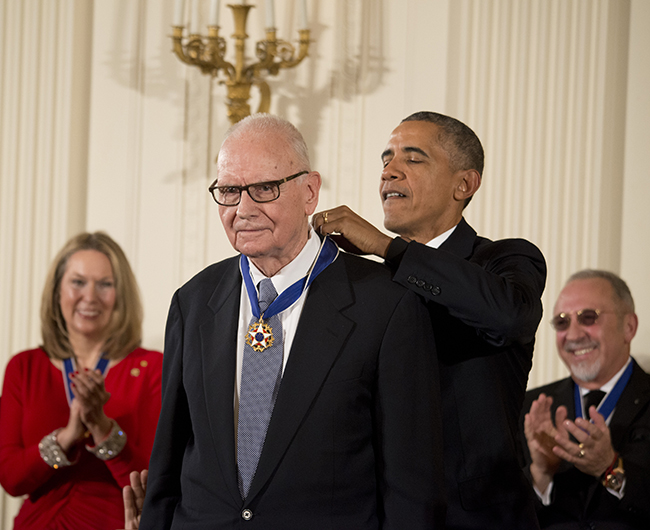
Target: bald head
{"points": [[265, 126]]}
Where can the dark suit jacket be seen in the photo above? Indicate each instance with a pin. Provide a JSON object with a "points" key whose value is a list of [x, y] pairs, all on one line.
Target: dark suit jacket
{"points": [[581, 501], [355, 439], [484, 300]]}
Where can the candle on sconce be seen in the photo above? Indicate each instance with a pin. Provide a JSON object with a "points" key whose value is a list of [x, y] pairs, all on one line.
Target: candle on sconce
{"points": [[195, 20], [270, 14], [214, 13], [179, 9], [303, 15]]}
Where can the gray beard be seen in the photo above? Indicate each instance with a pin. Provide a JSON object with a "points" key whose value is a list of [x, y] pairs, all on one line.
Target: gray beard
{"points": [[586, 372]]}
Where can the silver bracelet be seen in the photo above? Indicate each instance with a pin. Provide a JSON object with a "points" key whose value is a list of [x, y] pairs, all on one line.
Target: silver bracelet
{"points": [[52, 453], [112, 445]]}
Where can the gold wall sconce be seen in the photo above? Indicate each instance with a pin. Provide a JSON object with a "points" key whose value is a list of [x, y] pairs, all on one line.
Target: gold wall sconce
{"points": [[208, 52]]}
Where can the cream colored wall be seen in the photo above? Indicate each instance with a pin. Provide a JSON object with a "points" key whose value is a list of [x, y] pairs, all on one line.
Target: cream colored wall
{"points": [[103, 128], [635, 241]]}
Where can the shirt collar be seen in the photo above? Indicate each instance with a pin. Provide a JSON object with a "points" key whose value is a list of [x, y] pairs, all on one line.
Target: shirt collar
{"points": [[439, 240], [293, 271], [607, 387]]}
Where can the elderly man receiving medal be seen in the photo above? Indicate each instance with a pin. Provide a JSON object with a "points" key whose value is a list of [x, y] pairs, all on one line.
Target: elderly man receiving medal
{"points": [[299, 386]]}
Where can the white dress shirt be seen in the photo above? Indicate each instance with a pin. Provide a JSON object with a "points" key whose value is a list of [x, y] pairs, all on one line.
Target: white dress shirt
{"points": [[290, 317]]}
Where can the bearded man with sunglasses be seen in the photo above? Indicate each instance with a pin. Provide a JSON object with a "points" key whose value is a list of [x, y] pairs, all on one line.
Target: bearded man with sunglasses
{"points": [[588, 436]]}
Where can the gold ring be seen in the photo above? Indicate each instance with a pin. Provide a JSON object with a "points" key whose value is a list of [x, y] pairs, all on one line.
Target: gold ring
{"points": [[325, 217], [582, 450]]}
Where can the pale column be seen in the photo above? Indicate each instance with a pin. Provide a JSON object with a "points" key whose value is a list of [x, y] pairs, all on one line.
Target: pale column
{"points": [[635, 255], [541, 83], [43, 152]]}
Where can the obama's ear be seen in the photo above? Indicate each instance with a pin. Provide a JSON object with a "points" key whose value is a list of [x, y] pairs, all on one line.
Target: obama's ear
{"points": [[468, 183]]}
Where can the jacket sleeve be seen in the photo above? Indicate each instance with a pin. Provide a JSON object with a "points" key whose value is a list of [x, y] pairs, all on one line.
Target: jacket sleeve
{"points": [[497, 291], [173, 432], [22, 470], [141, 427]]}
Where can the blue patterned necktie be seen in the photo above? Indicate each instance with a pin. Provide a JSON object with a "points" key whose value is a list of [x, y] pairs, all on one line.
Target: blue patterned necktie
{"points": [[260, 380]]}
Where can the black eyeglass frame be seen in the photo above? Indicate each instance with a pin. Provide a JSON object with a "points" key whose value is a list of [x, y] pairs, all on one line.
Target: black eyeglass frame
{"points": [[276, 183], [565, 318]]}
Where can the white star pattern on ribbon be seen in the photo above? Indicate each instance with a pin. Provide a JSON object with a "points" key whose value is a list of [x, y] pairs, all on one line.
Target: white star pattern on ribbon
{"points": [[259, 336]]}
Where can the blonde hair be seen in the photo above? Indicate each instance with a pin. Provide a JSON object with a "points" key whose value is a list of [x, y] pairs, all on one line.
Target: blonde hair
{"points": [[125, 326]]}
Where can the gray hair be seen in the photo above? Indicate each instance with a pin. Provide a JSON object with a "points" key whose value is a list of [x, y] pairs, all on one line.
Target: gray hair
{"points": [[622, 292], [268, 124]]}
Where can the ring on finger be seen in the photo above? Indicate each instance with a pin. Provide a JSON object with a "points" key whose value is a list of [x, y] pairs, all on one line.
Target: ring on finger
{"points": [[582, 450], [325, 217]]}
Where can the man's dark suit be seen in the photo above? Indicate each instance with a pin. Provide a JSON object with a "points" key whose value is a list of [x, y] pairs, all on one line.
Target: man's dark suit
{"points": [[484, 302], [581, 501], [355, 438]]}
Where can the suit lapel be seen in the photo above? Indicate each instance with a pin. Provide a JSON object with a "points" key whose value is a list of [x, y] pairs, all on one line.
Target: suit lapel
{"points": [[218, 354], [565, 397], [319, 339], [632, 401], [461, 241]]}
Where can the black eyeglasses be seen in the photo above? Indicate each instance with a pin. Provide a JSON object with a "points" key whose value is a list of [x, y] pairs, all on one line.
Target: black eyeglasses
{"points": [[585, 317], [260, 191]]}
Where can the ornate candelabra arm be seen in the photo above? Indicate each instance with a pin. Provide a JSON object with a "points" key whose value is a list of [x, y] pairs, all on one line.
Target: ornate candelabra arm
{"points": [[215, 52], [177, 40], [303, 51], [266, 51], [269, 50], [207, 55]]}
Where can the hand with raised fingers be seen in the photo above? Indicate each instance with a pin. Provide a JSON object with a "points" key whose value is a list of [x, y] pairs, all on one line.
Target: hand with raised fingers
{"points": [[592, 453], [133, 497], [351, 231], [540, 436]]}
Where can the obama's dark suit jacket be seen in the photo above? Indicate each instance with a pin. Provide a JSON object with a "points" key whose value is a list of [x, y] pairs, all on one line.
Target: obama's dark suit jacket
{"points": [[484, 299]]}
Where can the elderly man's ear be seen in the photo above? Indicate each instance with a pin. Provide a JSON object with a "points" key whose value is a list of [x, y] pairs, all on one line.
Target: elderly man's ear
{"points": [[312, 183]]}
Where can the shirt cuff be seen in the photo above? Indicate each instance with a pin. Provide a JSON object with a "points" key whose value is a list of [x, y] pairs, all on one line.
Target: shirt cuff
{"points": [[546, 496], [618, 494]]}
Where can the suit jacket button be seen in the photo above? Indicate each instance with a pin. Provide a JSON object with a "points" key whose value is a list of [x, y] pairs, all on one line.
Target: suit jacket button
{"points": [[411, 279], [420, 283], [247, 514], [435, 290]]}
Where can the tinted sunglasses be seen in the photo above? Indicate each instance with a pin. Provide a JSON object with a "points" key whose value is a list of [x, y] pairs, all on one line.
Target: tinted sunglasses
{"points": [[585, 317]]}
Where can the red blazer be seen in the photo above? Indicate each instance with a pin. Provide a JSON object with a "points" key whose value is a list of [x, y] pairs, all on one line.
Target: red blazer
{"points": [[87, 494]]}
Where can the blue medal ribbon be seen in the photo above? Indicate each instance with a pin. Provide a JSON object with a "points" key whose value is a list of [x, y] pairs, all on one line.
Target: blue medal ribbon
{"points": [[326, 255], [608, 404], [69, 367]]}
